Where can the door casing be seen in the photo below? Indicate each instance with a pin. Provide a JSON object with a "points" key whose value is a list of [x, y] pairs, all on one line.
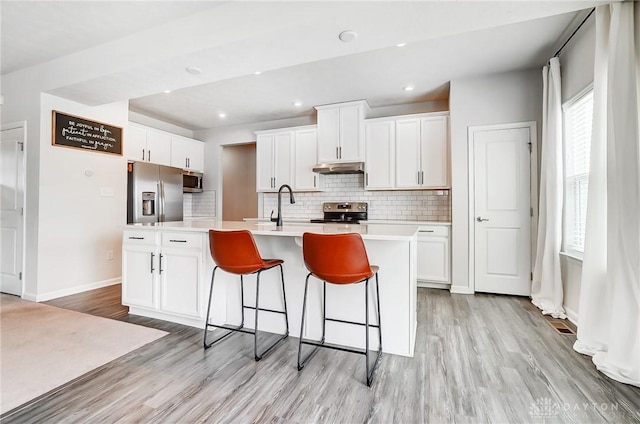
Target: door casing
{"points": [[23, 181]]}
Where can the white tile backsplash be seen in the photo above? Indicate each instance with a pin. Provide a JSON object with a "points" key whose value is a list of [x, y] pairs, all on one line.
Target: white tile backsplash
{"points": [[407, 205], [199, 204]]}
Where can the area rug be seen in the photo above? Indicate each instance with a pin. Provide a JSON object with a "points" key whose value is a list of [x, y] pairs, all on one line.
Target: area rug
{"points": [[43, 347]]}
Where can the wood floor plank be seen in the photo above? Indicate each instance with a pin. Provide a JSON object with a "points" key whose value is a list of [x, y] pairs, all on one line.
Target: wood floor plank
{"points": [[481, 358]]}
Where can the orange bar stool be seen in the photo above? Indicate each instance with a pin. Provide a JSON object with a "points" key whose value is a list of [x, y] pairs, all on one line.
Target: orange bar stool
{"points": [[339, 259], [236, 252]]}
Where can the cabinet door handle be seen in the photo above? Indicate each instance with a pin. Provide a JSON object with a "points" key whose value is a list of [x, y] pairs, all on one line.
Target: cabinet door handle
{"points": [[340, 150], [149, 155], [366, 179], [337, 154], [160, 267], [188, 162], [136, 238], [176, 241], [152, 268], [142, 154], [314, 181], [421, 177]]}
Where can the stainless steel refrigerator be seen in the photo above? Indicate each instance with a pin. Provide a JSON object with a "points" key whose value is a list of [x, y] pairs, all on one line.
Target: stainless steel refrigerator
{"points": [[154, 193]]}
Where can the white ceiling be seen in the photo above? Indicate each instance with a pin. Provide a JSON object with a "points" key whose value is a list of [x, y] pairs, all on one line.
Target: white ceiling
{"points": [[101, 52]]}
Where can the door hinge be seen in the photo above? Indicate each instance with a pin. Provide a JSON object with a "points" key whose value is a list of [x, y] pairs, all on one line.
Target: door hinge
{"points": [[21, 143], [530, 146], [531, 276], [20, 275], [531, 211]]}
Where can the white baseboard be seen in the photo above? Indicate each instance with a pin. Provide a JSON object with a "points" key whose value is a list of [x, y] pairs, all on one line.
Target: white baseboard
{"points": [[43, 297], [461, 290], [571, 315], [432, 285]]}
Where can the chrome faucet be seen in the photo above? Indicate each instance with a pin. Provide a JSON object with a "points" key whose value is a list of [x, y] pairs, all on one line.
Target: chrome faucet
{"points": [[278, 219]]}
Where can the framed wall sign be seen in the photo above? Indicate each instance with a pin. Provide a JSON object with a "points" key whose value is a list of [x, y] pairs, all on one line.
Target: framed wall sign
{"points": [[80, 133]]}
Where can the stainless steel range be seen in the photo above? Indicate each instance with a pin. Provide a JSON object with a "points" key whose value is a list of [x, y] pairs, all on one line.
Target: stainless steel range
{"points": [[351, 212]]}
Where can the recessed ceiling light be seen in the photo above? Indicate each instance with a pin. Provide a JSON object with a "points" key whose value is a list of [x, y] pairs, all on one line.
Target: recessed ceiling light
{"points": [[401, 44], [193, 70], [408, 88], [167, 91], [347, 36], [297, 103], [257, 72], [222, 115]]}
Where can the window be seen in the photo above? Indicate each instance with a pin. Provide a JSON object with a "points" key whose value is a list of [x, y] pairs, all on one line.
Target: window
{"points": [[578, 116]]}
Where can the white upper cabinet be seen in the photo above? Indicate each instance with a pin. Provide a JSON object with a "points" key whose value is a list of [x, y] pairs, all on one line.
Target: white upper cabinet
{"points": [[158, 148], [287, 156], [187, 153], [380, 145], [146, 145], [422, 152], [273, 160], [178, 152], [435, 152], [341, 132], [305, 158], [195, 155], [135, 145], [407, 152]]}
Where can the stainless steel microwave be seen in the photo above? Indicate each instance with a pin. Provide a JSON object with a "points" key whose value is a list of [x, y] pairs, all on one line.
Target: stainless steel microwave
{"points": [[191, 182]]}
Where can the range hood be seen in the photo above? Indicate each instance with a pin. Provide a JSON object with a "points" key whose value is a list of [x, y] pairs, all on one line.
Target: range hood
{"points": [[340, 168]]}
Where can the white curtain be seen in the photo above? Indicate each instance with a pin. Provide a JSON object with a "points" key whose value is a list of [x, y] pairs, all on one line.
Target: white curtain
{"points": [[609, 310], [546, 290]]}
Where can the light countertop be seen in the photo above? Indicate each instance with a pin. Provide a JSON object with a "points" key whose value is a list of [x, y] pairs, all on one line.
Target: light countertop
{"points": [[290, 229], [369, 221]]}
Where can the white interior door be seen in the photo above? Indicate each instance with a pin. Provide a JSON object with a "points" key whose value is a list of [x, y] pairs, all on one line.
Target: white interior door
{"points": [[11, 210], [502, 237]]}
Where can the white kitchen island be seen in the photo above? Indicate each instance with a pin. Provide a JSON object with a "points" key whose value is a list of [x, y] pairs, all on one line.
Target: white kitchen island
{"points": [[167, 273]]}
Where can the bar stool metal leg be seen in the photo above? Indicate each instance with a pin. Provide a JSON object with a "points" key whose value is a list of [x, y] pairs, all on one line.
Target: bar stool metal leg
{"points": [[206, 323], [379, 355], [240, 328], [256, 355]]}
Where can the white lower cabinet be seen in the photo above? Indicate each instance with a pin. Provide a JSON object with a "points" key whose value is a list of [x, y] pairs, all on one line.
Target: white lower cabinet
{"points": [[433, 254], [162, 273], [139, 287]]}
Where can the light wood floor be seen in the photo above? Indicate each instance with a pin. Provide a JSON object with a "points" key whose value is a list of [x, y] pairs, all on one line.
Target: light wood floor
{"points": [[481, 358]]}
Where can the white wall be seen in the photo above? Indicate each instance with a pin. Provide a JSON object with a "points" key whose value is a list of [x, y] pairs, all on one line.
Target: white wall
{"points": [[77, 223], [576, 66], [492, 99], [577, 60], [160, 125]]}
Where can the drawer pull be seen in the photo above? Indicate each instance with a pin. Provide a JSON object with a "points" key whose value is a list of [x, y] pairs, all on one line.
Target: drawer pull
{"points": [[136, 238], [177, 241], [426, 231]]}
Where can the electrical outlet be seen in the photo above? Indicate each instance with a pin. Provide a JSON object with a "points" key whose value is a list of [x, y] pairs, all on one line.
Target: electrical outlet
{"points": [[109, 255]]}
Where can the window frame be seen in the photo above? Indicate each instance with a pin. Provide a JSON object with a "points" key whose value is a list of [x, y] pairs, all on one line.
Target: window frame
{"points": [[569, 249]]}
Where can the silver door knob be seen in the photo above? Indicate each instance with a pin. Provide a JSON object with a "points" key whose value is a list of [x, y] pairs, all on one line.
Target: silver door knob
{"points": [[480, 219]]}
